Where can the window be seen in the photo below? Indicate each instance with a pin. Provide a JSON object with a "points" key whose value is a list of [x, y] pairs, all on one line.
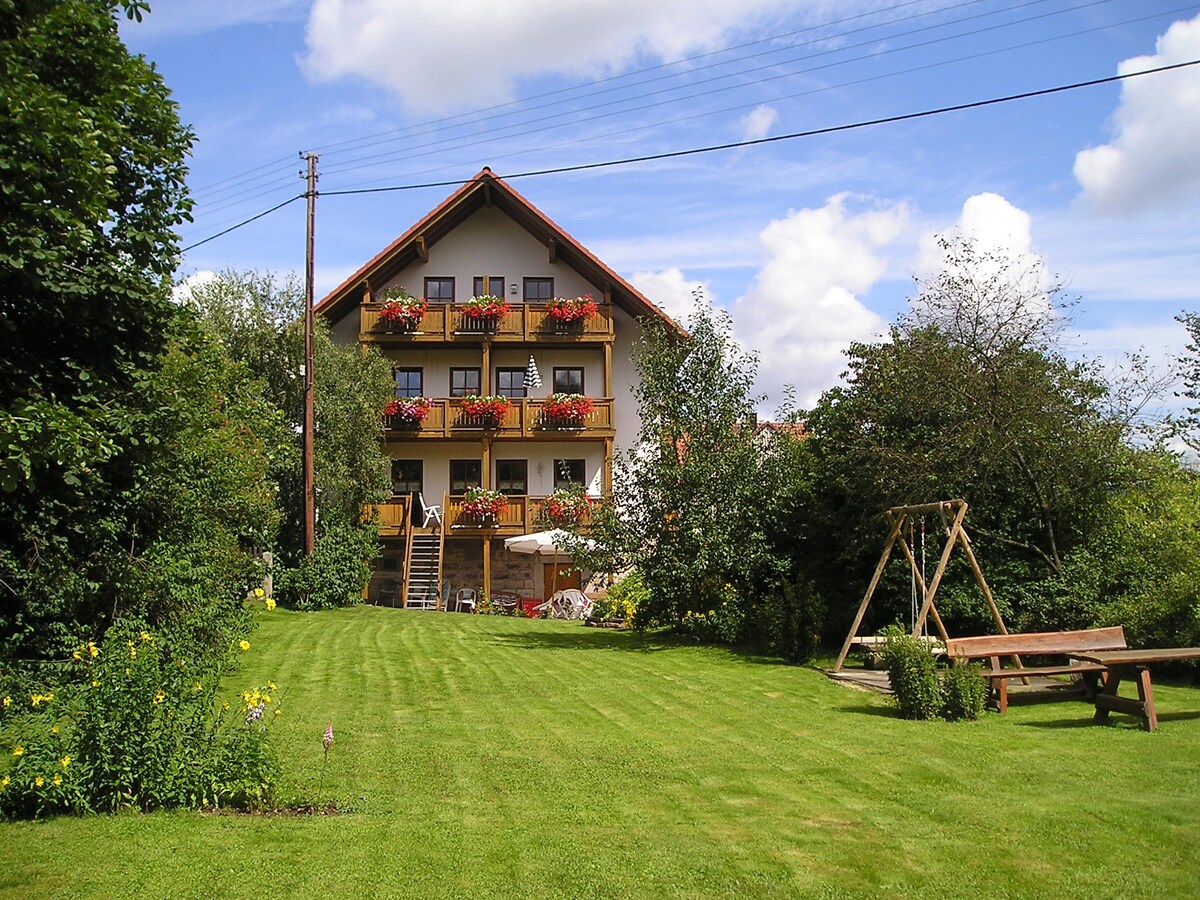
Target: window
{"points": [[568, 380], [464, 382], [465, 474], [407, 476], [489, 284], [538, 289], [510, 383], [512, 476], [439, 290], [568, 473], [408, 382]]}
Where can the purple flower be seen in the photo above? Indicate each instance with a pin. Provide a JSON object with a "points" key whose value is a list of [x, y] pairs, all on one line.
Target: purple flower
{"points": [[327, 739], [255, 713]]}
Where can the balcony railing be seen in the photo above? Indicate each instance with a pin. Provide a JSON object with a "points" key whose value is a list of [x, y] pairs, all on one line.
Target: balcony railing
{"points": [[523, 323], [393, 515], [524, 419], [525, 514]]}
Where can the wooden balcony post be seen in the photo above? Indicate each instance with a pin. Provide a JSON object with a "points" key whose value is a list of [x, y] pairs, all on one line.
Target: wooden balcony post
{"points": [[485, 474], [487, 567], [608, 466], [608, 365]]}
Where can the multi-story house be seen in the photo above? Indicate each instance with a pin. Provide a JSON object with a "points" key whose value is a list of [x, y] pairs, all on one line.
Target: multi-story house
{"points": [[488, 240]]}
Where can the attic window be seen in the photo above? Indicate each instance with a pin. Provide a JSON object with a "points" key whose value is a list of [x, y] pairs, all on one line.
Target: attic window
{"points": [[538, 290], [439, 290]]}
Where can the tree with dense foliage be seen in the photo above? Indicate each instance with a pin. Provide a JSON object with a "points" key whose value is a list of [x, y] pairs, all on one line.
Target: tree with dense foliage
{"points": [[693, 501], [259, 320]]}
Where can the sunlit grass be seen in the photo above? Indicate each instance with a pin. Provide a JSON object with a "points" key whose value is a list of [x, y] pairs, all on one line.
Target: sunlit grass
{"points": [[494, 757]]}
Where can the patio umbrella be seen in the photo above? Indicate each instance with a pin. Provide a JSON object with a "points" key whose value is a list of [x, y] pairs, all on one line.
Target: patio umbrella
{"points": [[544, 543], [533, 378]]}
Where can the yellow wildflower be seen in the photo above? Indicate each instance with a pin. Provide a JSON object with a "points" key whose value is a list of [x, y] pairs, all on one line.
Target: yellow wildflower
{"points": [[56, 780], [66, 761], [198, 687], [35, 700], [159, 696], [39, 781], [7, 701], [93, 650], [270, 603], [54, 729], [244, 645], [278, 711], [259, 593], [4, 782], [225, 705], [48, 696], [95, 683], [271, 686], [76, 655], [18, 750], [146, 637], [132, 652]]}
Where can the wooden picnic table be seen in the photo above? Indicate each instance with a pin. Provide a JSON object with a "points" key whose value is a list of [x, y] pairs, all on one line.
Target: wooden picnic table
{"points": [[1132, 665]]}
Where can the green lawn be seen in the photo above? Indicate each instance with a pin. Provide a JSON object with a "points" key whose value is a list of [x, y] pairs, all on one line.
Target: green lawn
{"points": [[494, 757]]}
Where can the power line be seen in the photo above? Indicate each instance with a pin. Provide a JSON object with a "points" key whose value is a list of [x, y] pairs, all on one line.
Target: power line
{"points": [[244, 222], [831, 129], [732, 145]]}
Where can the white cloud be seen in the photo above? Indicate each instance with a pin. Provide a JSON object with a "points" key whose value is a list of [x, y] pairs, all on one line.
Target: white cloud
{"points": [[757, 123], [803, 308], [469, 53], [197, 279], [991, 222], [1152, 158], [671, 292]]}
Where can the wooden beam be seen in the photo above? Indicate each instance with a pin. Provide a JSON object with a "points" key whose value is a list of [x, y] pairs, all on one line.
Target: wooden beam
{"points": [[422, 250], [897, 522], [608, 372], [366, 288], [487, 194], [941, 569], [487, 567], [552, 246], [608, 467]]}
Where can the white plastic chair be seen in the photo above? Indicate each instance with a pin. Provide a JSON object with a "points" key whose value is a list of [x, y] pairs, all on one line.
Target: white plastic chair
{"points": [[570, 604], [430, 512], [464, 597]]}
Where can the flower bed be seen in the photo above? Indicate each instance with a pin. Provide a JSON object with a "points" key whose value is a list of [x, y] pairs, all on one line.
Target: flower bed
{"points": [[484, 505], [489, 409], [401, 309], [572, 309], [567, 409], [408, 411], [485, 310], [567, 507]]}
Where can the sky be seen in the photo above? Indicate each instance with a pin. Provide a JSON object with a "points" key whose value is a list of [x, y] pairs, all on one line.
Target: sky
{"points": [[809, 243]]}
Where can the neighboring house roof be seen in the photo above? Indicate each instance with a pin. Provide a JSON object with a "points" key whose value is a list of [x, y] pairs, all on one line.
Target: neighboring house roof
{"points": [[485, 189]]}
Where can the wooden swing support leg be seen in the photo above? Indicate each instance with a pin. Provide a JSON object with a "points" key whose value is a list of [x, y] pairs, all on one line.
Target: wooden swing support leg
{"points": [[897, 524]]}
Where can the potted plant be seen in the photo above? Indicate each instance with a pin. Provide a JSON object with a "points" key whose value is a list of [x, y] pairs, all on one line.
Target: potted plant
{"points": [[485, 311], [401, 310], [484, 505], [567, 506], [408, 412], [567, 409], [568, 313], [486, 411]]}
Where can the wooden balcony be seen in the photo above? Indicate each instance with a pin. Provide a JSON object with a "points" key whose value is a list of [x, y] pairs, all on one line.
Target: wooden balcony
{"points": [[394, 516], [524, 420], [525, 514], [448, 323]]}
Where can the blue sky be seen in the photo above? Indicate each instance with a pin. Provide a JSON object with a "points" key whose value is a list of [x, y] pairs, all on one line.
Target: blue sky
{"points": [[810, 243]]}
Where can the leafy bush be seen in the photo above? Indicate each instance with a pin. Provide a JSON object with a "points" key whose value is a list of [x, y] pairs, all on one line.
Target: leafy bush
{"points": [[622, 600], [791, 620], [913, 675], [964, 691], [335, 574], [139, 725]]}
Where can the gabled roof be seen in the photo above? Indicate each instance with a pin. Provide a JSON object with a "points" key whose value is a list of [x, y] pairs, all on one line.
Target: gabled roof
{"points": [[485, 189]]}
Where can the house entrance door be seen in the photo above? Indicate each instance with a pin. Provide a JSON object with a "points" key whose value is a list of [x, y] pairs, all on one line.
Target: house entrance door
{"points": [[568, 577]]}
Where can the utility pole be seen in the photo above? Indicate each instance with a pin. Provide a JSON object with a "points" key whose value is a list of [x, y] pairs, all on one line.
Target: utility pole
{"points": [[310, 504]]}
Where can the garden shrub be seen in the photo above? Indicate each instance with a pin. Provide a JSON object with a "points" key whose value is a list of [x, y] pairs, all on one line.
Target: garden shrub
{"points": [[139, 724], [622, 599], [722, 622], [335, 574], [792, 621], [964, 691], [913, 675]]}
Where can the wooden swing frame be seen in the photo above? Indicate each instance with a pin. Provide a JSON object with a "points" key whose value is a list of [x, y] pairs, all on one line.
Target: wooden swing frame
{"points": [[952, 514]]}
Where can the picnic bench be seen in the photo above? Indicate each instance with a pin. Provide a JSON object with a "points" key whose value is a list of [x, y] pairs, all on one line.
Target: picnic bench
{"points": [[1133, 665], [1072, 644]]}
